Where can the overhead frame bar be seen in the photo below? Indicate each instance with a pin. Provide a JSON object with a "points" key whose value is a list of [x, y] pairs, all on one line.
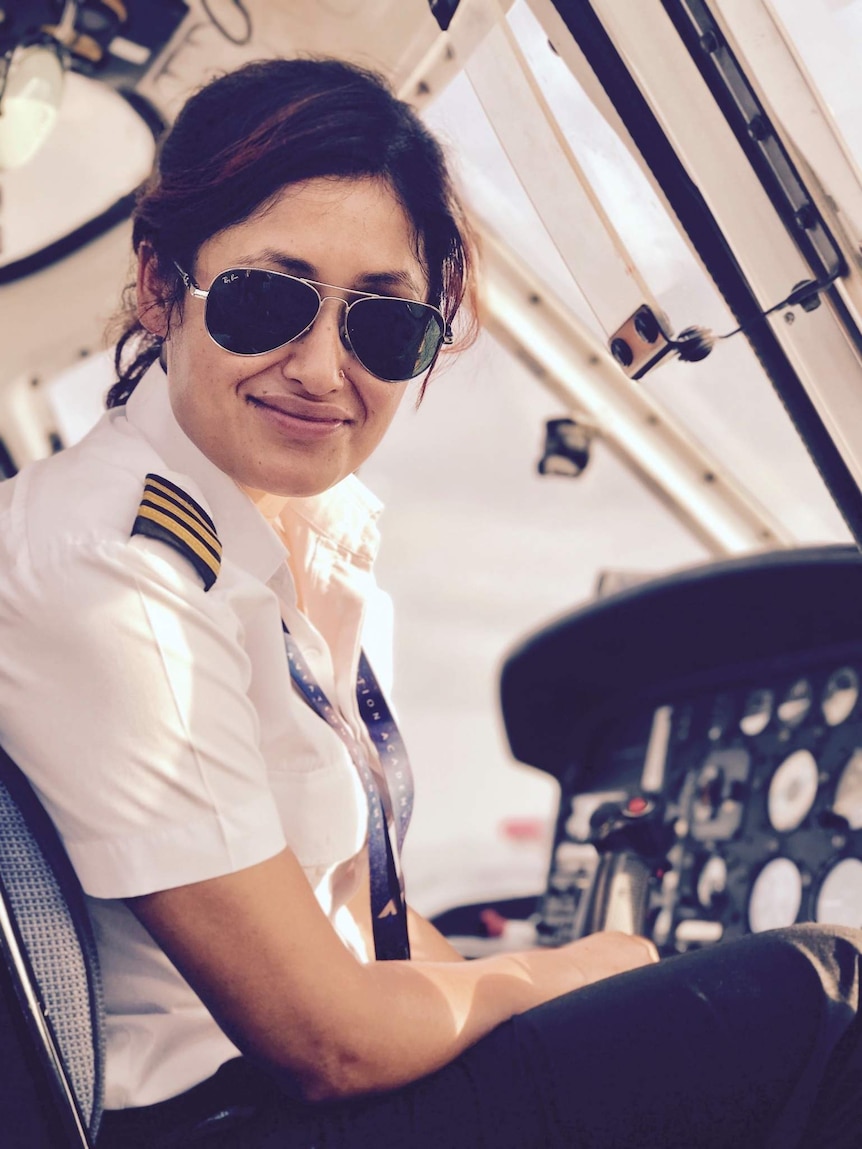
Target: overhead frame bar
{"points": [[840, 467], [757, 135], [760, 139]]}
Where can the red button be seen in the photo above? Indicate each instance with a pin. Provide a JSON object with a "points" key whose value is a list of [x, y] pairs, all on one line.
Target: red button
{"points": [[493, 922], [637, 806]]}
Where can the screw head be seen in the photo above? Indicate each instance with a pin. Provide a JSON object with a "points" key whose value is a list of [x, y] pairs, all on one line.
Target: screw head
{"points": [[646, 325], [806, 216], [622, 352]]}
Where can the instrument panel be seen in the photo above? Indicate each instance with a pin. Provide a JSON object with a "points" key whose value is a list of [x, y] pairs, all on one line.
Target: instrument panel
{"points": [[734, 808]]}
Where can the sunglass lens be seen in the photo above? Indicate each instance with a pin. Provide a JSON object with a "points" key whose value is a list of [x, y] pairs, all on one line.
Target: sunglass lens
{"points": [[250, 312], [395, 339]]}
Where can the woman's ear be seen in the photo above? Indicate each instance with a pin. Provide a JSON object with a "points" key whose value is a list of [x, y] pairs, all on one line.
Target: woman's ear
{"points": [[150, 291]]}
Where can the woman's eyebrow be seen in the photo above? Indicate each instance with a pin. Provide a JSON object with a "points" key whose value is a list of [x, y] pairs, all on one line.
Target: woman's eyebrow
{"points": [[381, 281], [374, 281], [284, 262]]}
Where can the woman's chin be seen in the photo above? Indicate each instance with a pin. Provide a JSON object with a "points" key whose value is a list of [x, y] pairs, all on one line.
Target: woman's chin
{"points": [[291, 486]]}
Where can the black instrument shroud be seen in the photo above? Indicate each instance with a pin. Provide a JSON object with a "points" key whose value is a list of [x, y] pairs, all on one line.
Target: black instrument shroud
{"points": [[667, 672]]}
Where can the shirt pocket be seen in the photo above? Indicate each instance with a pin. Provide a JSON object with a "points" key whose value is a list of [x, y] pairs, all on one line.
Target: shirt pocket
{"points": [[318, 792]]}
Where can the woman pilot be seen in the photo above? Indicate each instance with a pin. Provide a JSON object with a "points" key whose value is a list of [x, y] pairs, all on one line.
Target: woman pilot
{"points": [[189, 631]]}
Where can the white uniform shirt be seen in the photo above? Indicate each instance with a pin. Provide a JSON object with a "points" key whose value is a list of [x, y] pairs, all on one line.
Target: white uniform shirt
{"points": [[157, 720]]}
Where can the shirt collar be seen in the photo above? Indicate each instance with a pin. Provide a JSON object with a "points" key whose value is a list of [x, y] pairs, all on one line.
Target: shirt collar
{"points": [[246, 536], [346, 514]]}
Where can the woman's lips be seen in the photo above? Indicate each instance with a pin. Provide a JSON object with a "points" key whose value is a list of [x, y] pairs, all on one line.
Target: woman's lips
{"points": [[300, 420]]}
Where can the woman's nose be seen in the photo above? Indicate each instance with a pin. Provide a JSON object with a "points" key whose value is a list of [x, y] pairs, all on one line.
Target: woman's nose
{"points": [[317, 358]]}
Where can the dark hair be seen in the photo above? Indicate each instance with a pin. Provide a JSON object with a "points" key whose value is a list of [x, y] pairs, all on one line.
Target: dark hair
{"points": [[244, 136]]}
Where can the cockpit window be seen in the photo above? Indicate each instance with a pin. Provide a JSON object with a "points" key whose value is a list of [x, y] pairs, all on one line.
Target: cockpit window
{"points": [[529, 196]]}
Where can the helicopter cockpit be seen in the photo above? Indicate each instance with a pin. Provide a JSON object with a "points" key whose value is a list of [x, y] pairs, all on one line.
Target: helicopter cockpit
{"points": [[623, 528]]}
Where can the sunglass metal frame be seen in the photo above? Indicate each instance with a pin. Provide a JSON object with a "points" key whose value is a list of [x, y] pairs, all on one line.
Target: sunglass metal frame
{"points": [[198, 292]]}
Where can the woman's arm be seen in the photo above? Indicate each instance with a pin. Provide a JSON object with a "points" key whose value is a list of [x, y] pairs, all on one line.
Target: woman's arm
{"points": [[262, 955], [426, 941]]}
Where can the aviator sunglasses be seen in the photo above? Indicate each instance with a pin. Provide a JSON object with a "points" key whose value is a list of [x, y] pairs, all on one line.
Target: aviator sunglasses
{"points": [[250, 311]]}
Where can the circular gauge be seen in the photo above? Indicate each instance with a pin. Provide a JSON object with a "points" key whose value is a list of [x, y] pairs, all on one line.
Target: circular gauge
{"points": [[848, 792], [796, 703], [757, 712], [840, 695], [775, 896], [712, 881], [839, 902], [792, 790]]}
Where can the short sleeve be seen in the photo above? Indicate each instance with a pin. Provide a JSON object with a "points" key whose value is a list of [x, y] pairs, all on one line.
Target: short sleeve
{"points": [[124, 698]]}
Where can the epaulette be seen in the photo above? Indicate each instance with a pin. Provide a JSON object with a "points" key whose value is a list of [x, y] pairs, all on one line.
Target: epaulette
{"points": [[168, 514]]}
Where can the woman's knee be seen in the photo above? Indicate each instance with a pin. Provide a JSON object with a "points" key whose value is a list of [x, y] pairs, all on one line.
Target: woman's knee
{"points": [[834, 952]]}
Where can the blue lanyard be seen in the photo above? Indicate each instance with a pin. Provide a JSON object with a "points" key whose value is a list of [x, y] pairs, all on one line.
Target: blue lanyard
{"points": [[388, 791]]}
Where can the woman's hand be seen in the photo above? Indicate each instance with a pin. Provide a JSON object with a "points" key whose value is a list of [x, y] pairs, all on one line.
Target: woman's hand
{"points": [[605, 954], [554, 972]]}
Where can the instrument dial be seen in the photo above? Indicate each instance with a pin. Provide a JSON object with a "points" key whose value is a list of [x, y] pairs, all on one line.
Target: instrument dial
{"points": [[839, 902], [840, 695], [792, 790], [775, 896], [757, 712], [796, 703], [848, 792]]}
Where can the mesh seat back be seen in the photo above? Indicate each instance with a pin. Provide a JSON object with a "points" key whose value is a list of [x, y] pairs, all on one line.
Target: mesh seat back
{"points": [[49, 912]]}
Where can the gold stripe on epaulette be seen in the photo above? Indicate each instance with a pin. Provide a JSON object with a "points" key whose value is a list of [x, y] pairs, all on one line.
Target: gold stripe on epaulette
{"points": [[170, 515], [173, 508], [155, 484]]}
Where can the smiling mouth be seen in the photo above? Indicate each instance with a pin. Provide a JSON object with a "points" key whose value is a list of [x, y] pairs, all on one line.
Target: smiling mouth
{"points": [[290, 419]]}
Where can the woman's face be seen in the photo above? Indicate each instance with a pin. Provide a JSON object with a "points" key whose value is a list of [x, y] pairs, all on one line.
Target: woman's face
{"points": [[296, 420]]}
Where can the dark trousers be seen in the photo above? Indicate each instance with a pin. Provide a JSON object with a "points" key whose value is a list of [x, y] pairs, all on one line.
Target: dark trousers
{"points": [[755, 1043]]}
